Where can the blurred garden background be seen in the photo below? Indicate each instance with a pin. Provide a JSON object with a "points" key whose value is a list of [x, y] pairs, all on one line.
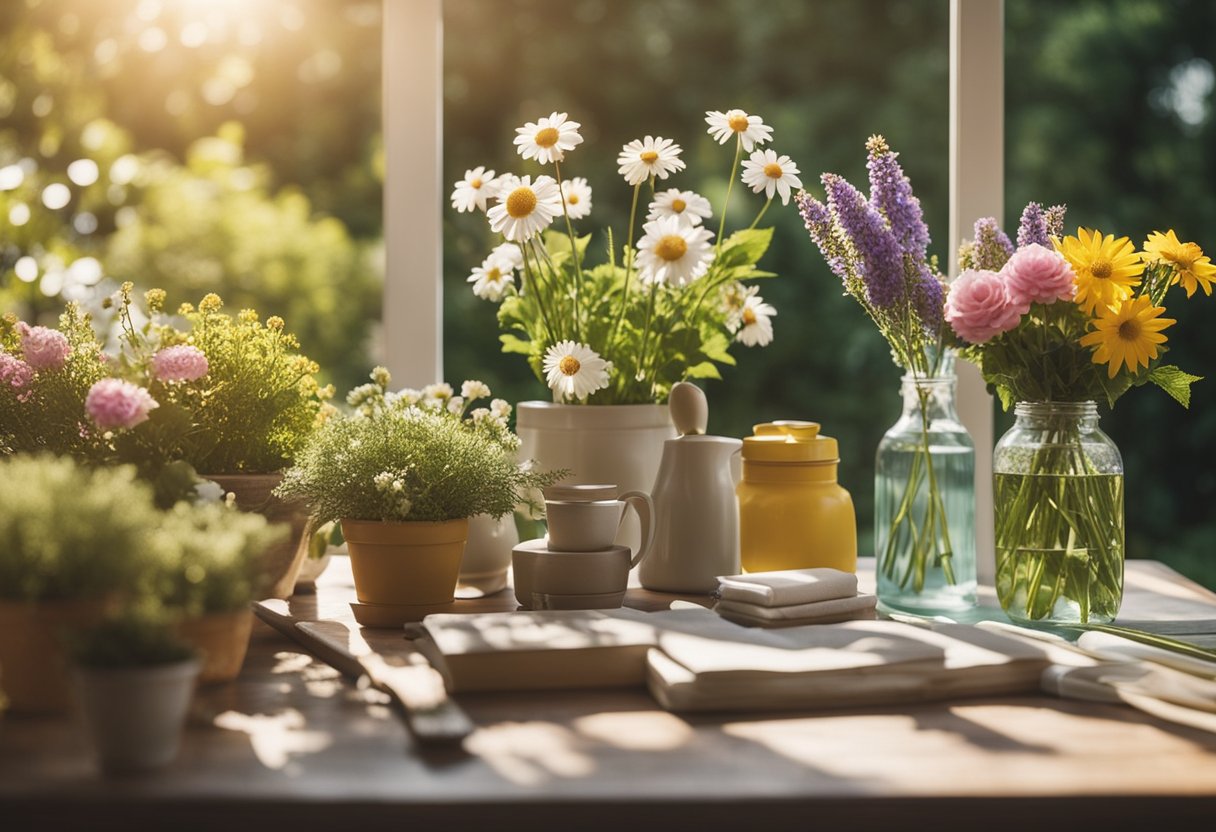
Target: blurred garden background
{"points": [[233, 146]]}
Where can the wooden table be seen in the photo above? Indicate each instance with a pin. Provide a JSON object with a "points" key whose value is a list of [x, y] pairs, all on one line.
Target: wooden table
{"points": [[292, 743]]}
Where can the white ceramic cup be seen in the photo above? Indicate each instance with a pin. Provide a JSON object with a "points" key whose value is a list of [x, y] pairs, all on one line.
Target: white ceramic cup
{"points": [[591, 525]]}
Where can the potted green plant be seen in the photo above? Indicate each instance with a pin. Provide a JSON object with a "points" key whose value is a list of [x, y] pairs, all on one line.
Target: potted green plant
{"points": [[134, 680], [75, 542], [227, 396], [404, 477], [209, 574]]}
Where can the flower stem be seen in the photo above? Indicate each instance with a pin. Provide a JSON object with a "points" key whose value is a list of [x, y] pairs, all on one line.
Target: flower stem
{"points": [[578, 269], [760, 215], [633, 213], [730, 184]]}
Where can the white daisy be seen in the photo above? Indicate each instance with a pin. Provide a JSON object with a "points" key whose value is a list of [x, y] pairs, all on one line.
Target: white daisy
{"points": [[725, 126], [508, 253], [734, 297], [689, 206], [525, 208], [578, 197], [575, 371], [472, 192], [652, 156], [768, 172], [547, 140], [492, 279], [672, 252], [757, 326]]}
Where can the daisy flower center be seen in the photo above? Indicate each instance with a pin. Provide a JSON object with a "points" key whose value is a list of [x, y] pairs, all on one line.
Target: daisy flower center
{"points": [[494, 275], [649, 156], [1185, 256], [678, 206], [749, 316], [772, 170], [475, 184], [672, 247], [569, 366], [1129, 330], [572, 199], [521, 202], [547, 137], [737, 123], [1100, 269]]}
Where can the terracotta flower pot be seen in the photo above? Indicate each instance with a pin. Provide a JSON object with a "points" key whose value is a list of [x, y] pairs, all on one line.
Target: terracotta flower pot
{"points": [[221, 638], [33, 666], [134, 716], [413, 563], [281, 562]]}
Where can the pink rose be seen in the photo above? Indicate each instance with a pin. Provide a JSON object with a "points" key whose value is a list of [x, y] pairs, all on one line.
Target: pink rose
{"points": [[43, 348], [15, 372], [114, 403], [180, 363], [978, 306], [1036, 274]]}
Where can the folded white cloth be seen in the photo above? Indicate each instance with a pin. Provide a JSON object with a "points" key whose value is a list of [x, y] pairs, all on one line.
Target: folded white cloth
{"points": [[818, 612], [788, 586]]}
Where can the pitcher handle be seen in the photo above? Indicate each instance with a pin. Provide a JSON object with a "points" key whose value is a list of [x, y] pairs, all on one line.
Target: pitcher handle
{"points": [[643, 506]]}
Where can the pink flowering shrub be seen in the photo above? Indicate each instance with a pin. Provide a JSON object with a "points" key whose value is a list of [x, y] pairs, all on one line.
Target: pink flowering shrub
{"points": [[16, 373], [43, 348], [113, 403], [1036, 274], [179, 363], [979, 307]]}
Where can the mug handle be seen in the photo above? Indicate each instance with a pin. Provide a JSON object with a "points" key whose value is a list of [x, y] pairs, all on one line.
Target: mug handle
{"points": [[643, 506]]}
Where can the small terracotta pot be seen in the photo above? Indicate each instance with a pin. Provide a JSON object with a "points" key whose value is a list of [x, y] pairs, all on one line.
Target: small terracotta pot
{"points": [[222, 639], [405, 563], [281, 562], [33, 666], [134, 716]]}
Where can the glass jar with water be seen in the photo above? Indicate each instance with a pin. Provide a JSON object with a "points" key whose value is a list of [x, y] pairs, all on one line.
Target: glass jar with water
{"points": [[924, 501], [1058, 500]]}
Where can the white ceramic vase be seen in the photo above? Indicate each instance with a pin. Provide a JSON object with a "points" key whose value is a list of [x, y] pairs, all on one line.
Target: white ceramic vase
{"points": [[134, 716], [619, 445], [487, 554]]}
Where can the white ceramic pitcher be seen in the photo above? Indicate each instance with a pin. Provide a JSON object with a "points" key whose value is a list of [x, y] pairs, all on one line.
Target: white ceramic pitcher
{"points": [[696, 525]]}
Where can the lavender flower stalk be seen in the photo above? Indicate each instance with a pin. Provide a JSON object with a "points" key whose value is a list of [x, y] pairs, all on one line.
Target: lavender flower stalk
{"points": [[880, 259], [891, 195], [991, 248]]}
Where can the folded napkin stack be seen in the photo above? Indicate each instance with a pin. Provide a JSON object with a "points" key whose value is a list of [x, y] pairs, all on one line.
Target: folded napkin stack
{"points": [[792, 597]]}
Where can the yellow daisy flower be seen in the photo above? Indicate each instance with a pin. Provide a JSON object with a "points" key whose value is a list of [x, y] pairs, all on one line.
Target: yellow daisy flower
{"points": [[1127, 336], [1106, 268], [1191, 266]]}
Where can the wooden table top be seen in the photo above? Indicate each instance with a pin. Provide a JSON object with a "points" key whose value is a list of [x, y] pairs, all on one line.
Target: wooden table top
{"points": [[292, 741]]}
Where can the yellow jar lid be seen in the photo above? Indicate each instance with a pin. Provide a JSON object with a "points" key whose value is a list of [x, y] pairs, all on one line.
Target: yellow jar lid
{"points": [[789, 441]]}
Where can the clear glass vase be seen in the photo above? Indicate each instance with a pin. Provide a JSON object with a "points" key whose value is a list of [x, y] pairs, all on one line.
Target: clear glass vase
{"points": [[924, 501], [1058, 500]]}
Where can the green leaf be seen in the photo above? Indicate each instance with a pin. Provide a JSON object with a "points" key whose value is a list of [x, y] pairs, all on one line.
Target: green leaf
{"points": [[1174, 381], [513, 344], [745, 248]]}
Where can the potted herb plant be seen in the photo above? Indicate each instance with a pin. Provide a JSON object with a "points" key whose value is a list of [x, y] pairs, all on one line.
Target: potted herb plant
{"points": [[609, 339], [210, 573], [75, 543], [404, 476], [134, 681]]}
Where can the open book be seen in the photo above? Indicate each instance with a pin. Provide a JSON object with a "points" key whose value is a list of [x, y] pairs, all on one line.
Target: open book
{"points": [[693, 659]]}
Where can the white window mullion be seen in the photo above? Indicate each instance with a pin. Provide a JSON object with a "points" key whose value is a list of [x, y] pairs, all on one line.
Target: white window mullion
{"points": [[977, 189], [412, 115]]}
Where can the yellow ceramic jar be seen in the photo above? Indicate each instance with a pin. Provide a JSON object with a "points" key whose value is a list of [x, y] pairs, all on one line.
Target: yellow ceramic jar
{"points": [[792, 512]]}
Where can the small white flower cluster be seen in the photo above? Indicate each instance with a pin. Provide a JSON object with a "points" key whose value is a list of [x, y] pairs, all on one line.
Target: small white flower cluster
{"points": [[748, 317], [391, 484]]}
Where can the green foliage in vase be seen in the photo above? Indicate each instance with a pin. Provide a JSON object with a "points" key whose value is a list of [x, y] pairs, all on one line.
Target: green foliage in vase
{"points": [[137, 637], [412, 456]]}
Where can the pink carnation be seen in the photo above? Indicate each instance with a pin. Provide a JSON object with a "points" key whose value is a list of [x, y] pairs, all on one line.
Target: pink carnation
{"points": [[43, 348], [978, 306], [113, 403], [15, 372], [1036, 274], [180, 363]]}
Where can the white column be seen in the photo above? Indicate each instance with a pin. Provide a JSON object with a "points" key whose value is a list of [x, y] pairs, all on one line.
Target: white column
{"points": [[977, 189], [412, 114]]}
